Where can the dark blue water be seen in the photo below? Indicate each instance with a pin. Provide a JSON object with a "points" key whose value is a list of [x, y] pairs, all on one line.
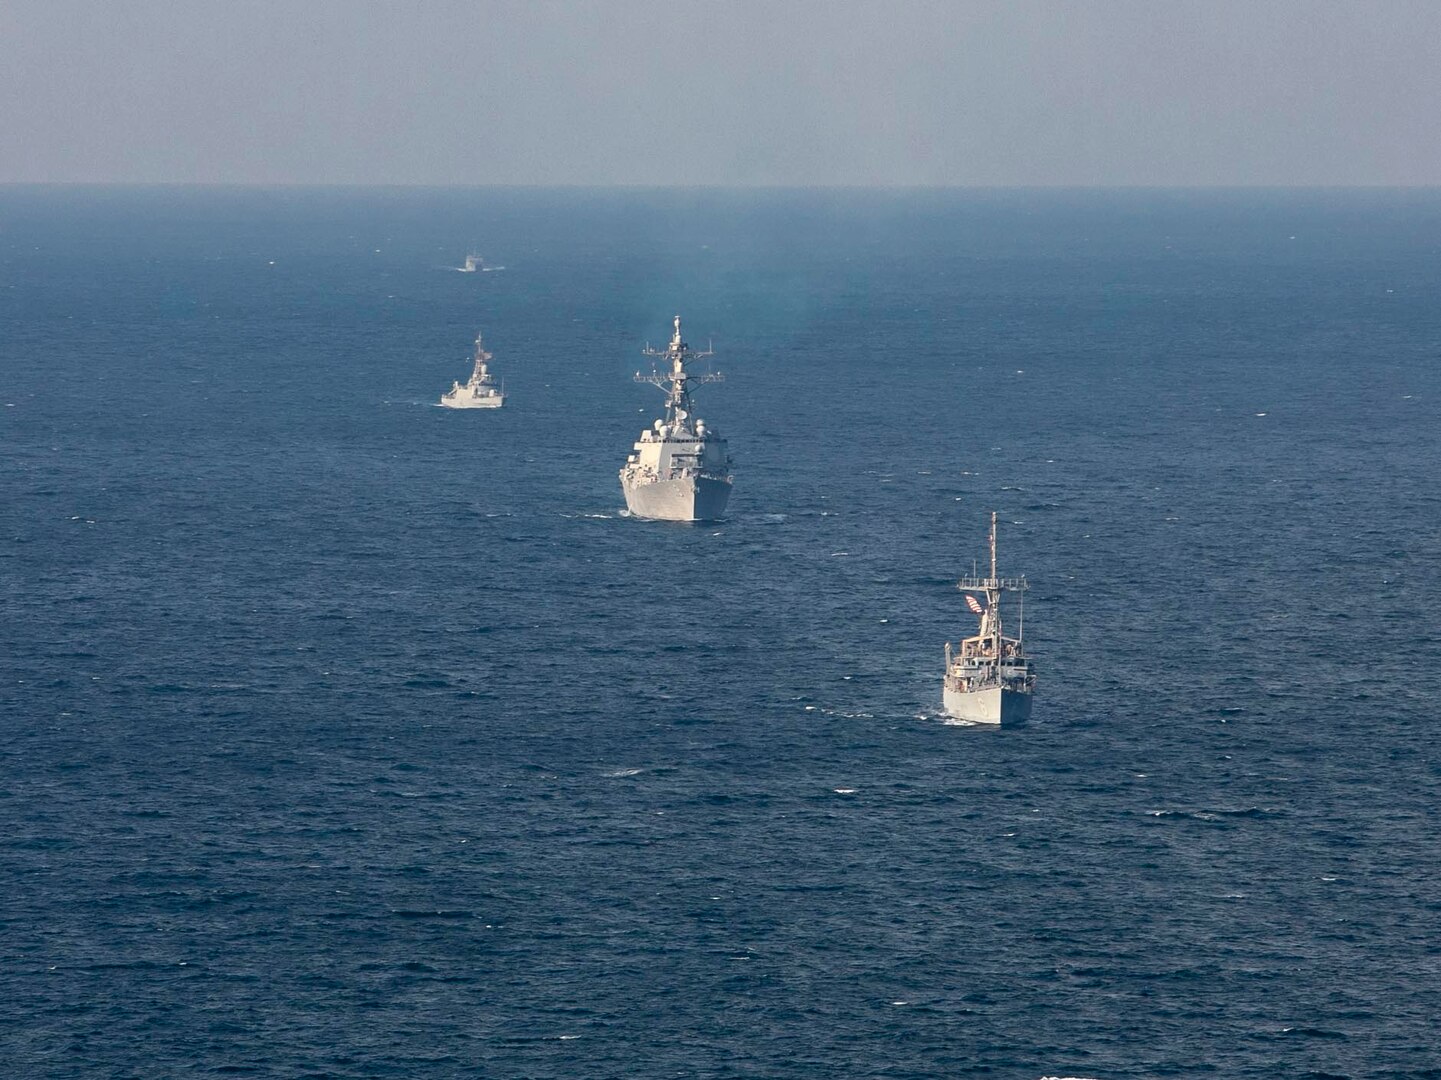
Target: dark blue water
{"points": [[342, 735]]}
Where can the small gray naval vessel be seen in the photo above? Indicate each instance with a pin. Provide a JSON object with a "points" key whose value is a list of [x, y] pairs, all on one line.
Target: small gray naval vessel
{"points": [[481, 392], [474, 263], [680, 469], [989, 679]]}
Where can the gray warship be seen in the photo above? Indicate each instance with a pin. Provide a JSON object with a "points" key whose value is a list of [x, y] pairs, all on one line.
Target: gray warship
{"points": [[989, 678], [679, 469], [481, 391]]}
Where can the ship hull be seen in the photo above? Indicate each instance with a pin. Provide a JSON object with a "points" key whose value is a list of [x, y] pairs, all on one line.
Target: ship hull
{"points": [[472, 402], [993, 705], [698, 498]]}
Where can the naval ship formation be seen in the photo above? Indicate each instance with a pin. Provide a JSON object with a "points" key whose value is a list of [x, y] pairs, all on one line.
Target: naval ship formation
{"points": [[679, 469], [989, 679], [480, 391]]}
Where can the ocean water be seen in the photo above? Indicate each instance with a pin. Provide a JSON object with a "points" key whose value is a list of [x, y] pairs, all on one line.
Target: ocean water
{"points": [[342, 735]]}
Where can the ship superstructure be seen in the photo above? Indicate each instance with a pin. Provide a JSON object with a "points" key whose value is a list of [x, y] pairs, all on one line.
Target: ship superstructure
{"points": [[989, 678], [481, 391], [679, 470]]}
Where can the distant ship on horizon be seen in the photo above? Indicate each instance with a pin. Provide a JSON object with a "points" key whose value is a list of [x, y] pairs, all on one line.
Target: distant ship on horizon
{"points": [[474, 264]]}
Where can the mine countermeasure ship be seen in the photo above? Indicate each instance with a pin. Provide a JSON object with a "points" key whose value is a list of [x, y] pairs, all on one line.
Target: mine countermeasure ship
{"points": [[989, 679], [679, 470], [480, 392]]}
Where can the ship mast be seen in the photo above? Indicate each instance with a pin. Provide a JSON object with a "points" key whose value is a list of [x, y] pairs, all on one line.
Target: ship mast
{"points": [[480, 373], [676, 381], [993, 593], [993, 545], [990, 637]]}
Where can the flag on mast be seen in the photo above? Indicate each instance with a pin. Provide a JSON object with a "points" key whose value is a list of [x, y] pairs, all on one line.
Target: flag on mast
{"points": [[974, 604]]}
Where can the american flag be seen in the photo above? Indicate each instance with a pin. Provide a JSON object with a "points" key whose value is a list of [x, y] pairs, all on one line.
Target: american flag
{"points": [[974, 604]]}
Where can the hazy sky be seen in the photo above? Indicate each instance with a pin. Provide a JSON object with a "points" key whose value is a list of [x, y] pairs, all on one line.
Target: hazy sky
{"points": [[1154, 92]]}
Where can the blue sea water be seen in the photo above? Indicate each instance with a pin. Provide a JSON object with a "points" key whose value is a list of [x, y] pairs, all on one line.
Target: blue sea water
{"points": [[342, 735]]}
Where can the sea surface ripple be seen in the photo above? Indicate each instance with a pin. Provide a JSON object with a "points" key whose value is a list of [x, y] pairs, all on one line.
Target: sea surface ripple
{"points": [[342, 735]]}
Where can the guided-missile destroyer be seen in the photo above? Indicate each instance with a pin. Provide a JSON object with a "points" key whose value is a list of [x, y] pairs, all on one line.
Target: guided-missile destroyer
{"points": [[679, 470], [480, 392], [989, 679]]}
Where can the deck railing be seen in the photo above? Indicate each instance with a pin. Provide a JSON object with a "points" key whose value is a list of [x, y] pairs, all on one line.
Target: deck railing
{"points": [[1010, 584]]}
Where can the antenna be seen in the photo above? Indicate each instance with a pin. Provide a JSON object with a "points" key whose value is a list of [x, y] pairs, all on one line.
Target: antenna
{"points": [[674, 380], [993, 545]]}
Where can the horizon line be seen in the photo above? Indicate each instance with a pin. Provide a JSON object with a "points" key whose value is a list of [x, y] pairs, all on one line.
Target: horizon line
{"points": [[408, 186]]}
